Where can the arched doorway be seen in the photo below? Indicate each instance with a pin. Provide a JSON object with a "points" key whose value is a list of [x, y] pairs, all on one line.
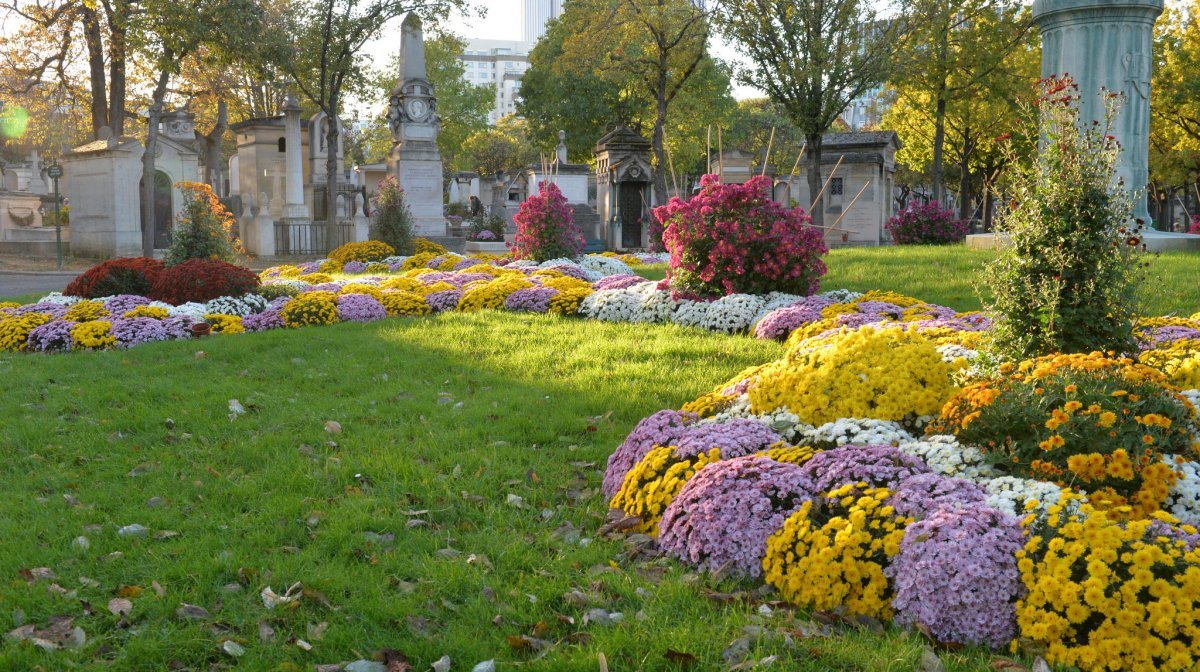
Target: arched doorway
{"points": [[163, 210]]}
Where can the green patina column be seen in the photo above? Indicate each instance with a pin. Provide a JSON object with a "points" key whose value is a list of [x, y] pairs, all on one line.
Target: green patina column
{"points": [[1107, 44]]}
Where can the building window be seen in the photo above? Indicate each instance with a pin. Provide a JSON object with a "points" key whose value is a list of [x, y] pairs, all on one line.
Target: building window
{"points": [[282, 144], [833, 196]]}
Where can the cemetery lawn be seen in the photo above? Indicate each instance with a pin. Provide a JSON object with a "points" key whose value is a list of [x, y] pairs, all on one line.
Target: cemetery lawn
{"points": [[949, 275], [449, 515]]}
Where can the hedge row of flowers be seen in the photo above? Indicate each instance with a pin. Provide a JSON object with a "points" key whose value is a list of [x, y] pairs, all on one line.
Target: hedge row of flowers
{"points": [[884, 468]]}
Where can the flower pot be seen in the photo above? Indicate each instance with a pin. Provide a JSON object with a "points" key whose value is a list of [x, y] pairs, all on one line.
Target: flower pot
{"points": [[201, 329]]}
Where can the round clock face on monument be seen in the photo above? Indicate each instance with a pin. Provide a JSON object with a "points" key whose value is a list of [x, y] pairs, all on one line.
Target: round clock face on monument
{"points": [[418, 109]]}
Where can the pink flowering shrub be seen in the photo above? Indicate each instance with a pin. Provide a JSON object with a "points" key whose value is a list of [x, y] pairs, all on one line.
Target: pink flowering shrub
{"points": [[546, 228], [732, 238], [1195, 227], [926, 225]]}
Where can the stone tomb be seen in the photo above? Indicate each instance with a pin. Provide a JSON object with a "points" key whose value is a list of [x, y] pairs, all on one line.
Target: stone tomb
{"points": [[413, 121], [623, 195], [868, 164]]}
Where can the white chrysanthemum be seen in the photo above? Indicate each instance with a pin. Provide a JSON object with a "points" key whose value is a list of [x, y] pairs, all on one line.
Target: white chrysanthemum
{"points": [[591, 275], [946, 456], [191, 309], [952, 351], [605, 265], [59, 298], [395, 259], [611, 305], [1011, 495], [844, 431], [657, 305], [237, 305], [732, 314], [690, 313], [738, 410], [840, 295], [1183, 500]]}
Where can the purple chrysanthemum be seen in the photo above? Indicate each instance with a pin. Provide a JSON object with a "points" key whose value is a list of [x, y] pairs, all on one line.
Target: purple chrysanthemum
{"points": [[131, 331], [735, 438], [396, 266], [464, 264], [919, 495], [436, 261], [618, 281], [1161, 336], [569, 269], [447, 299], [957, 575], [878, 466], [178, 326], [334, 287], [271, 318], [659, 429], [531, 299], [354, 267], [462, 279], [51, 336], [122, 303], [882, 308], [55, 310], [724, 514], [360, 308], [778, 323]]}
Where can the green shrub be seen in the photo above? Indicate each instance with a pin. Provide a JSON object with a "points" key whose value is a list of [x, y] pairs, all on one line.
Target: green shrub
{"points": [[391, 222], [1068, 280], [204, 229]]}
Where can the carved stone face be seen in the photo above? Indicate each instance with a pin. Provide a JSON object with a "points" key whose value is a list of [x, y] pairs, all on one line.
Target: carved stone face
{"points": [[417, 109]]}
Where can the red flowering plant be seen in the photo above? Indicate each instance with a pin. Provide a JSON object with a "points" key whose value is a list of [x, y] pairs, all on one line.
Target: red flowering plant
{"points": [[130, 275], [928, 224], [1195, 227], [546, 228], [732, 238], [203, 280]]}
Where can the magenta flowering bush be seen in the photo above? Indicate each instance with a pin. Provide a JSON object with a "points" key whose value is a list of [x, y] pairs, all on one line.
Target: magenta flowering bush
{"points": [[1195, 227], [724, 514], [956, 574], [659, 429], [546, 228], [618, 281], [733, 239], [928, 224], [878, 466]]}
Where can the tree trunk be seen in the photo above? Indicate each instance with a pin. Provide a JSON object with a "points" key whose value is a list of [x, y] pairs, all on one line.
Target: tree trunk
{"points": [[939, 145], [656, 142], [331, 138], [99, 84], [816, 209], [964, 179], [116, 74], [155, 113]]}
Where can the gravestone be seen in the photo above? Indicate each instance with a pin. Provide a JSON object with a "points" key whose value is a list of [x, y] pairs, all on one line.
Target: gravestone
{"points": [[413, 121]]}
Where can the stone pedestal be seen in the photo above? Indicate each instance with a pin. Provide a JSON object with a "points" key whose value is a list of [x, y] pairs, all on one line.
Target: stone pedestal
{"points": [[1107, 44], [474, 246]]}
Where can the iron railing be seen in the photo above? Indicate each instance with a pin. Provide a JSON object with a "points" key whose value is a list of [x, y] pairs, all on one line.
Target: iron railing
{"points": [[301, 238]]}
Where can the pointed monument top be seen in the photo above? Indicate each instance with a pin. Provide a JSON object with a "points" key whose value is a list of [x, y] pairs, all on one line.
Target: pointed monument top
{"points": [[412, 49], [291, 103]]}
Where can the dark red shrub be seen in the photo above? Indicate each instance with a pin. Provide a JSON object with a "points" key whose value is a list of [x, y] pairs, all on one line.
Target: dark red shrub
{"points": [[203, 280], [130, 275]]}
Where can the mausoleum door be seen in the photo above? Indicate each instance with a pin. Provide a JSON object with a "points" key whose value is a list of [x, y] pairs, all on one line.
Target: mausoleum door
{"points": [[163, 210], [631, 214]]}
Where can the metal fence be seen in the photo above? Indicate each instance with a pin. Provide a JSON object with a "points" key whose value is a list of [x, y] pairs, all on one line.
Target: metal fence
{"points": [[301, 238]]}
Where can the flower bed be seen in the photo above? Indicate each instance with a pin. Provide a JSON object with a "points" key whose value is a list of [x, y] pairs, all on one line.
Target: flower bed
{"points": [[912, 480]]}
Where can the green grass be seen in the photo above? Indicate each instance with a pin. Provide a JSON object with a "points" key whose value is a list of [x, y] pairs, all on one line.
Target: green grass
{"points": [[533, 406], [949, 276]]}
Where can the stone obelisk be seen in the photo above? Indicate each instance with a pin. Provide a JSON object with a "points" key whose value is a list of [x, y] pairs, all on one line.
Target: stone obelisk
{"points": [[412, 118]]}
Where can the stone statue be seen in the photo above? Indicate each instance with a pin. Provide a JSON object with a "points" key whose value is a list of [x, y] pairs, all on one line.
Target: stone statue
{"points": [[561, 150]]}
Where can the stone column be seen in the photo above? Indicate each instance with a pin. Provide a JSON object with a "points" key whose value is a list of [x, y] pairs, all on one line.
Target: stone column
{"points": [[1107, 44], [294, 184]]}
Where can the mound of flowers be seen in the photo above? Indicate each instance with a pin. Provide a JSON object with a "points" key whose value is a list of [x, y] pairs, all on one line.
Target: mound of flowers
{"points": [[926, 224], [882, 468]]}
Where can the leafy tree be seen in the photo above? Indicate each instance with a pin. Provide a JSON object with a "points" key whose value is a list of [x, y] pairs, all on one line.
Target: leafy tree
{"points": [[654, 46], [324, 60], [500, 149], [812, 58], [953, 48], [752, 127], [1175, 110]]}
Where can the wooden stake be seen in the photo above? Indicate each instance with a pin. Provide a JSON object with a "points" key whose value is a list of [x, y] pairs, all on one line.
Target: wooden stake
{"points": [[796, 166], [767, 157], [848, 207], [720, 158], [670, 162], [826, 185]]}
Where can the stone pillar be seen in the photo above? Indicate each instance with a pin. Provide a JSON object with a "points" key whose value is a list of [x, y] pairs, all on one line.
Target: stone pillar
{"points": [[1107, 44], [294, 184], [362, 225]]}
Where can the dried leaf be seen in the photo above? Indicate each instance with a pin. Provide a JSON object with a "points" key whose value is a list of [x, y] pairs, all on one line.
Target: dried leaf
{"points": [[158, 589], [191, 612], [129, 591], [930, 661], [119, 606], [684, 659], [233, 648], [1039, 665], [333, 427], [485, 666], [441, 664]]}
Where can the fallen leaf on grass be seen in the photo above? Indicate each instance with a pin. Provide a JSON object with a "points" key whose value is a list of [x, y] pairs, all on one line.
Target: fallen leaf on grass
{"points": [[61, 634], [233, 648], [684, 659], [441, 664], [930, 661], [1007, 665], [192, 612], [618, 524], [119, 606], [333, 427], [485, 666], [38, 574], [271, 599], [527, 643]]}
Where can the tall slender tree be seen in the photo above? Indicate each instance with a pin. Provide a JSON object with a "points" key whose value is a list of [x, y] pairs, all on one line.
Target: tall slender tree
{"points": [[813, 57]]}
